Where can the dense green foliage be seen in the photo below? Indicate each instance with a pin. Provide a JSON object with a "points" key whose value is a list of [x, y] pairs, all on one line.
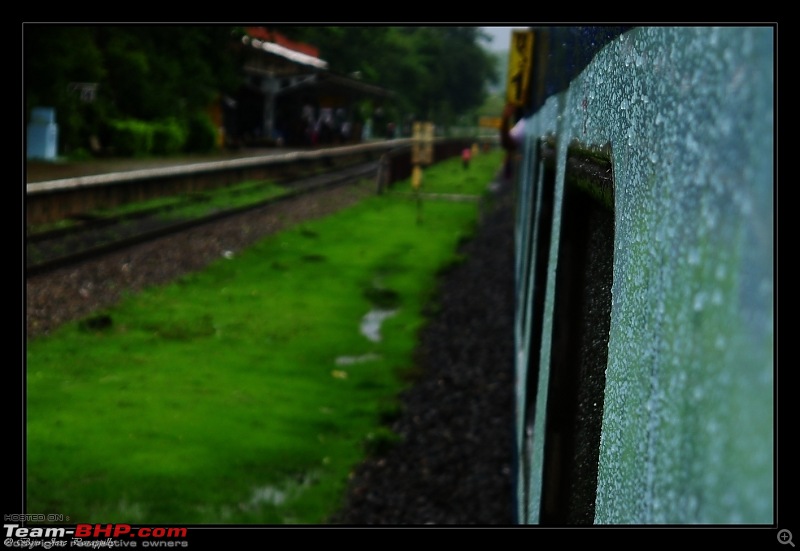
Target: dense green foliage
{"points": [[160, 74], [168, 75], [439, 73]]}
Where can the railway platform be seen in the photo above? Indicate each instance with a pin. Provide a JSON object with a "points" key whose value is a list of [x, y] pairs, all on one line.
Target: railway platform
{"points": [[37, 171], [59, 189]]}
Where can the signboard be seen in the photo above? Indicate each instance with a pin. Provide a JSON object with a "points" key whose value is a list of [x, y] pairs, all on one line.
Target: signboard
{"points": [[520, 59], [489, 122], [422, 146]]}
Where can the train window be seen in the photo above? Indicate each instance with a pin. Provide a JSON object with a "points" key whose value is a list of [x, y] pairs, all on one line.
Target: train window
{"points": [[579, 345], [534, 251]]}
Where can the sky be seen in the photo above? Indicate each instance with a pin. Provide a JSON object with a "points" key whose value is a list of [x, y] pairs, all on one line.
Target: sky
{"points": [[501, 38]]}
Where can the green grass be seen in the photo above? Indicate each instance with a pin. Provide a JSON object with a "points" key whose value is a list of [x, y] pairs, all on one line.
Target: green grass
{"points": [[218, 398], [452, 178]]}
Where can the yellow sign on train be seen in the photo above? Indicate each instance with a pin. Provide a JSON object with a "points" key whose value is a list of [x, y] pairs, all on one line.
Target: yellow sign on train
{"points": [[520, 59]]}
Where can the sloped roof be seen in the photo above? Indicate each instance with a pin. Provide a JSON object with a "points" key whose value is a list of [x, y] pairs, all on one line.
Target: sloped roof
{"points": [[333, 83], [278, 56], [274, 43]]}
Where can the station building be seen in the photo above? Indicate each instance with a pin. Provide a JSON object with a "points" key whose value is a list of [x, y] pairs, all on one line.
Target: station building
{"points": [[290, 97]]}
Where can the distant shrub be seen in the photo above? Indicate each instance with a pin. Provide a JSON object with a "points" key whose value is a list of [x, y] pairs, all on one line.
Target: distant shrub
{"points": [[131, 138], [169, 137], [202, 134], [79, 154]]}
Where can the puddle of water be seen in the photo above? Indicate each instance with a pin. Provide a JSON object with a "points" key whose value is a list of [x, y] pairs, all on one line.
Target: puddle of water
{"points": [[371, 328], [278, 495], [371, 323], [272, 496], [351, 360]]}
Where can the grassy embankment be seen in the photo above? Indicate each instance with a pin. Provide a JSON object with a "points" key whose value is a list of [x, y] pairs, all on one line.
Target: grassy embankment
{"points": [[245, 393]]}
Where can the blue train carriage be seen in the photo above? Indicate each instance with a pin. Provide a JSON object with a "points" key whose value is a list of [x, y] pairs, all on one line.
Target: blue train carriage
{"points": [[645, 277]]}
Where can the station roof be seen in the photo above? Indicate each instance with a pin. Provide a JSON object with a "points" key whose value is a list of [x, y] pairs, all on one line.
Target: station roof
{"points": [[281, 54], [275, 56], [330, 83]]}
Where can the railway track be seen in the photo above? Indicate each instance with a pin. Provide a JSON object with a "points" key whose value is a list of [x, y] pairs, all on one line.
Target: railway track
{"points": [[97, 235]]}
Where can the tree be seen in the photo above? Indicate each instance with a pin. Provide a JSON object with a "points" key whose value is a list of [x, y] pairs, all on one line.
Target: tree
{"points": [[56, 59], [151, 72], [143, 72], [437, 73]]}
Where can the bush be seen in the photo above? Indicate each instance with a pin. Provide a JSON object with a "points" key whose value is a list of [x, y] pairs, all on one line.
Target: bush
{"points": [[131, 138], [169, 137], [79, 154], [202, 134]]}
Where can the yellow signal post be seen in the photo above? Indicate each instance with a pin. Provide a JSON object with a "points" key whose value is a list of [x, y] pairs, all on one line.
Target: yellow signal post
{"points": [[416, 177], [416, 183], [427, 143], [418, 154], [421, 154], [416, 144]]}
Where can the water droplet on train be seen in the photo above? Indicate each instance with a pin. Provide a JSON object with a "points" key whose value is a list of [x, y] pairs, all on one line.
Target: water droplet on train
{"points": [[699, 301]]}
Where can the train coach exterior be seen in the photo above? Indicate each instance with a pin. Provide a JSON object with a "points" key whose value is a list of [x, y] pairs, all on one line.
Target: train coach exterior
{"points": [[645, 321]]}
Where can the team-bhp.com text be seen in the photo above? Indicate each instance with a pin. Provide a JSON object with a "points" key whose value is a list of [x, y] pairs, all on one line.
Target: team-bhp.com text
{"points": [[102, 535]]}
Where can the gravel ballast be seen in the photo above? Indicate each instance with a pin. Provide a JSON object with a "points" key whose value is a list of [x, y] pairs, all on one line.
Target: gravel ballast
{"points": [[453, 465], [67, 294]]}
